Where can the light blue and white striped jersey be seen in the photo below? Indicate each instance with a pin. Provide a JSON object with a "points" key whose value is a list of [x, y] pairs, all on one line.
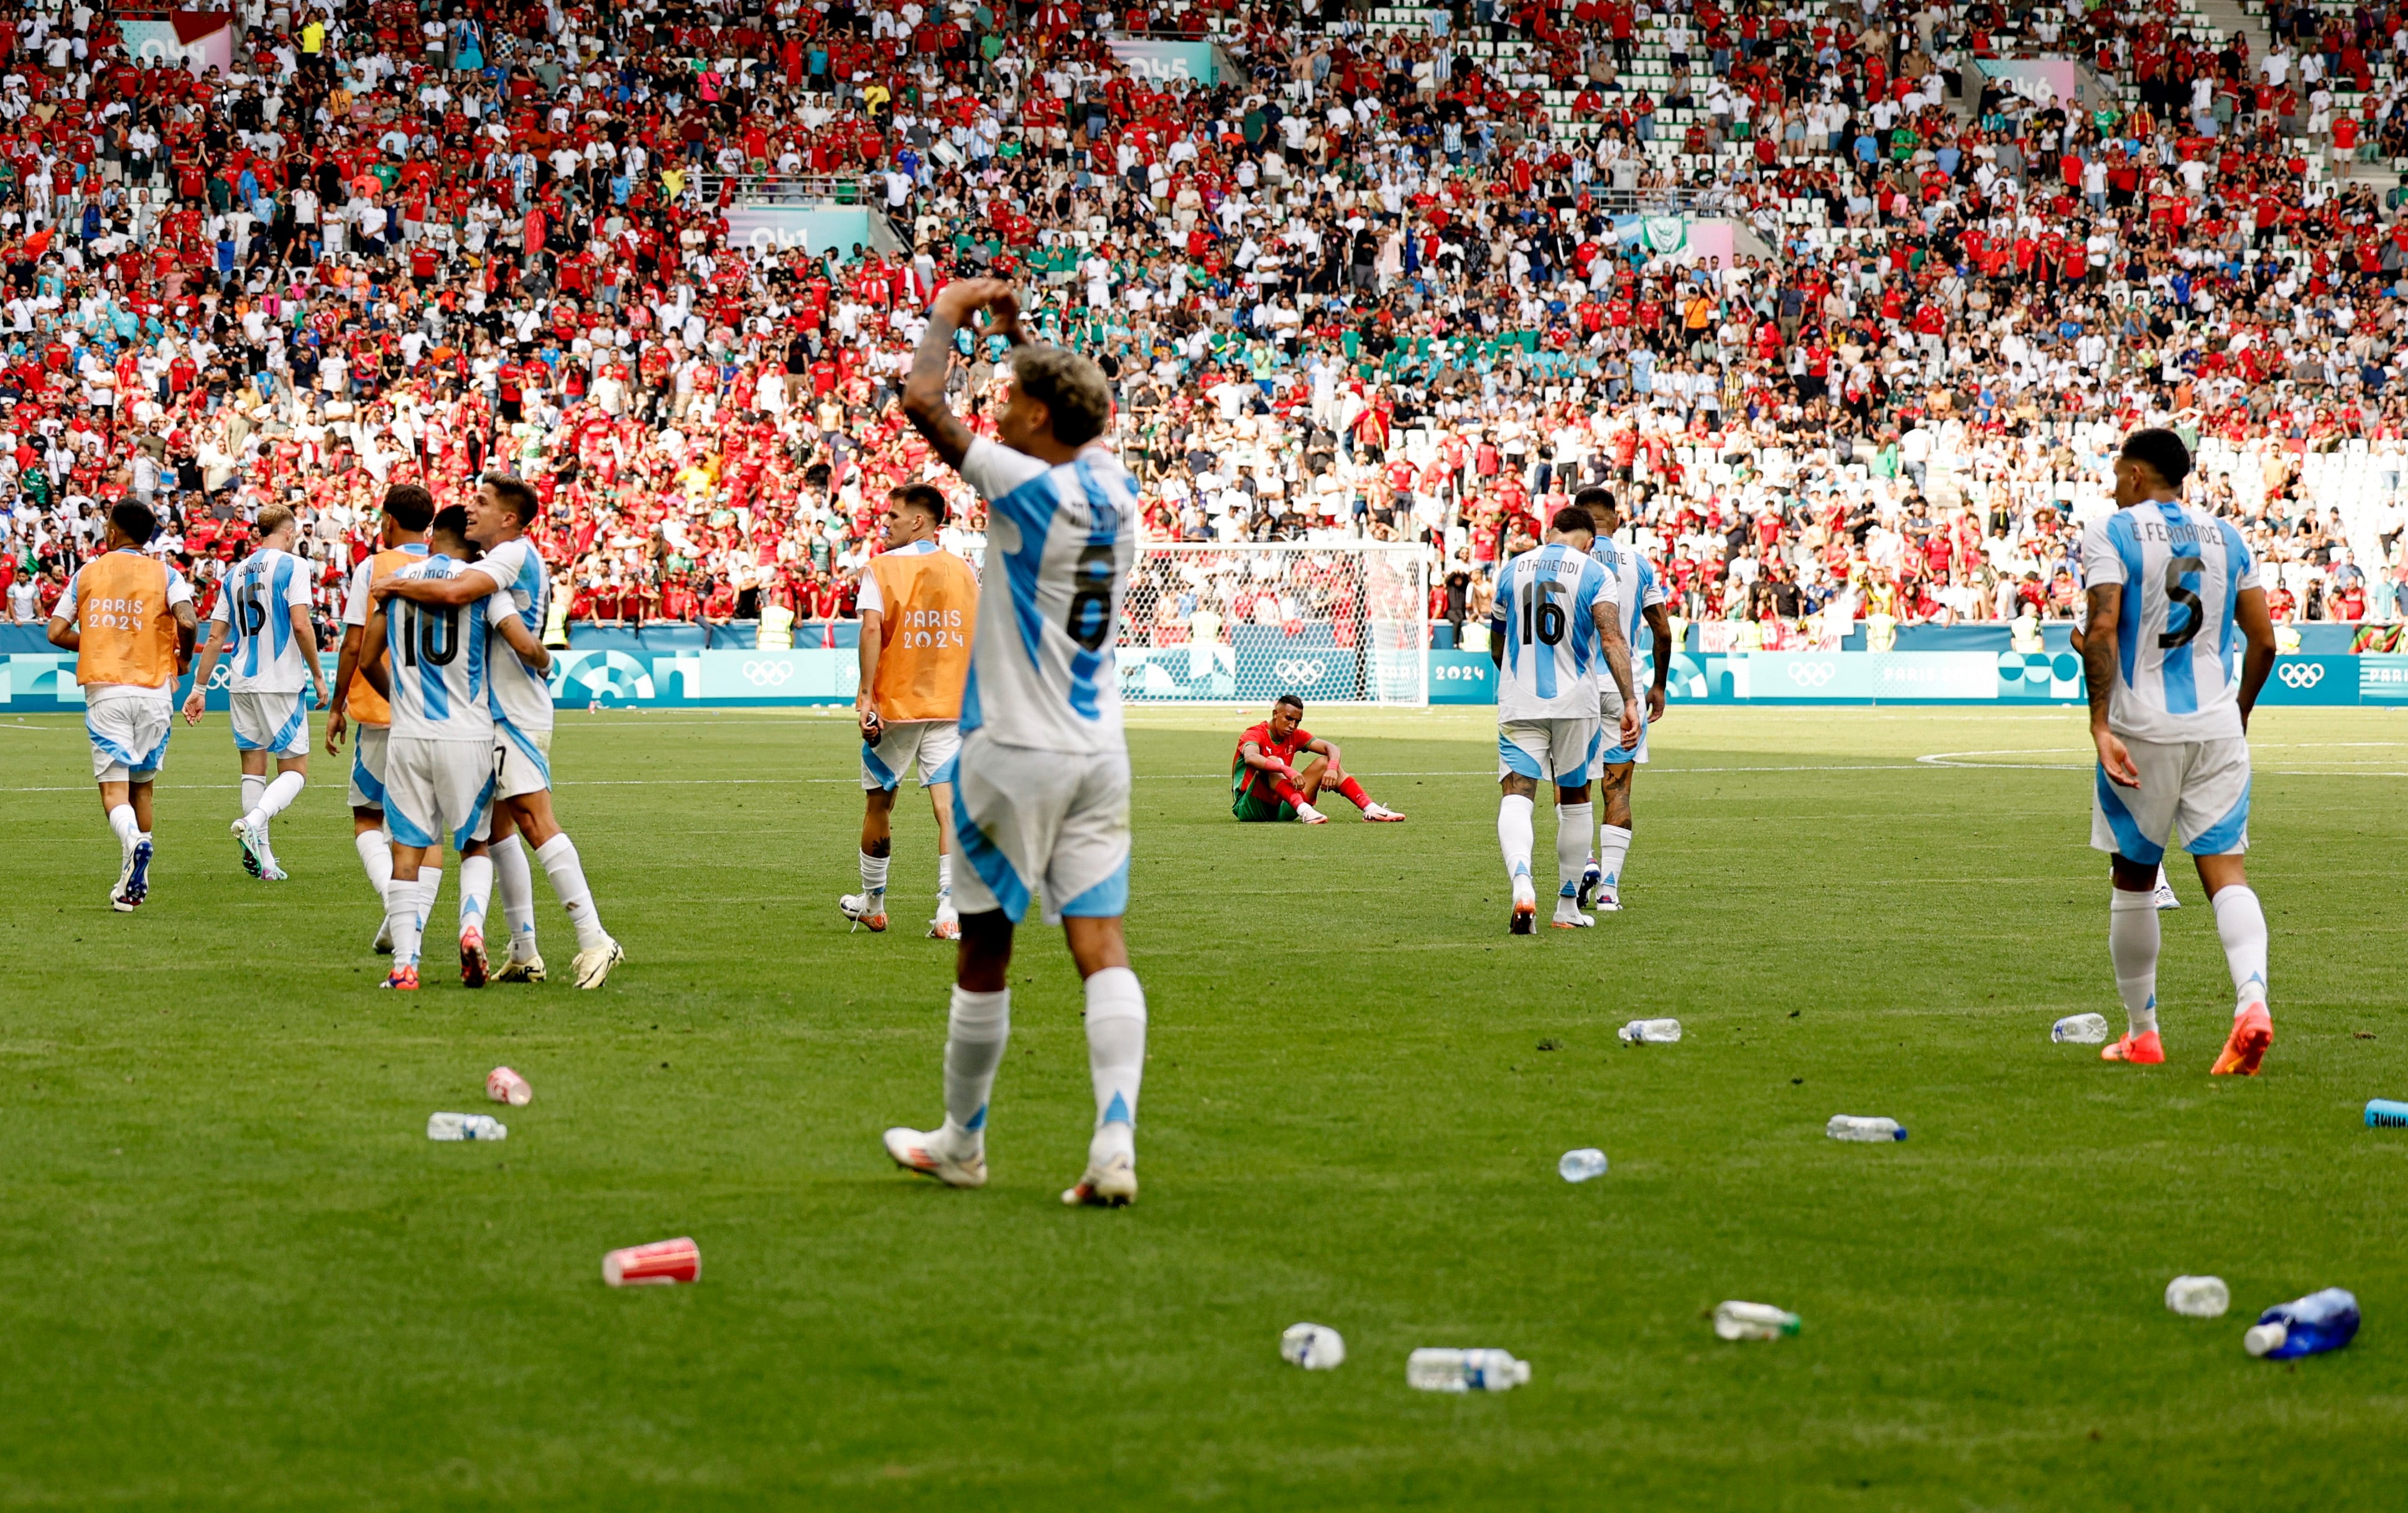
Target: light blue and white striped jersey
{"points": [[2177, 644], [437, 661], [1636, 586], [520, 695], [255, 604], [1553, 656], [1042, 669]]}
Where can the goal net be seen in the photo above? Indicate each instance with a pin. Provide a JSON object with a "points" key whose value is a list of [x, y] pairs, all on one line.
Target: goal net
{"points": [[1343, 622]]}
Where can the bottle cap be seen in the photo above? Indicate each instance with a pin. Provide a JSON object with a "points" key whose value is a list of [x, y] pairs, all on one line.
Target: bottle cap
{"points": [[2264, 1337], [1900, 1134]]}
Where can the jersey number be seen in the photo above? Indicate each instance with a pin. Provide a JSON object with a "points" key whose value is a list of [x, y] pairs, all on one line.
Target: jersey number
{"points": [[2176, 569], [1091, 604], [1542, 618], [431, 634], [254, 612]]}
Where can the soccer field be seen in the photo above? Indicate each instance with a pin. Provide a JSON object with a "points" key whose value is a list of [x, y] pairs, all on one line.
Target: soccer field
{"points": [[240, 1275]]}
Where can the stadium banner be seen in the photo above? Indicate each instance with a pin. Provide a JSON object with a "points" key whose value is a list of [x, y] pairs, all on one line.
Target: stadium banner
{"points": [[763, 229], [200, 40], [1317, 669], [1160, 61]]}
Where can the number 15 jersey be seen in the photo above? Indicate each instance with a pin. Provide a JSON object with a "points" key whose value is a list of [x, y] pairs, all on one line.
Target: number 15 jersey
{"points": [[437, 660], [1060, 539], [2182, 571], [1545, 611]]}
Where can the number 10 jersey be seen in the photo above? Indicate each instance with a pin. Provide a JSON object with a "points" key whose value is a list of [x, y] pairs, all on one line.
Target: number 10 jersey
{"points": [[437, 661], [2181, 570], [1059, 543]]}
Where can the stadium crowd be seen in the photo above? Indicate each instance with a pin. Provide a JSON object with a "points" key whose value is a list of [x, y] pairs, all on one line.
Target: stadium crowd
{"points": [[1400, 276]]}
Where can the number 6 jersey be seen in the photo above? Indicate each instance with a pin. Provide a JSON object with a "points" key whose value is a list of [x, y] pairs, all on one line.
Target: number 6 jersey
{"points": [[437, 660], [1545, 611], [2181, 570], [1060, 539]]}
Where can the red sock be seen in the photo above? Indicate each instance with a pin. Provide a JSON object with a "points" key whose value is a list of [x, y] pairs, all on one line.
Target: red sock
{"points": [[1355, 794], [1289, 794]]}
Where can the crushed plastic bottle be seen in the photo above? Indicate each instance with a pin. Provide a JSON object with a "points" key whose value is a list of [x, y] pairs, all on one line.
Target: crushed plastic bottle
{"points": [[1582, 1164], [1434, 1370], [2198, 1297], [2311, 1325], [2386, 1114], [1313, 1347], [1753, 1321], [2080, 1030], [466, 1127], [1651, 1032], [1860, 1127]]}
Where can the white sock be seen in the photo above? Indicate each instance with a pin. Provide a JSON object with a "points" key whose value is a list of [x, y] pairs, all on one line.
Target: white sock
{"points": [[944, 883], [430, 881], [559, 858], [376, 856], [2242, 921], [279, 796], [1115, 1059], [1571, 844], [476, 887], [121, 820], [873, 874], [401, 921], [2132, 945], [253, 784], [975, 1035], [516, 881], [1612, 848], [1513, 830]]}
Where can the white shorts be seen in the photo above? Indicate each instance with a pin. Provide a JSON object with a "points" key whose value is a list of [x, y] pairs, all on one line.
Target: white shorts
{"points": [[272, 723], [1609, 728], [1046, 822], [2199, 790], [935, 745], [129, 737], [367, 765], [526, 760], [1560, 752], [438, 789]]}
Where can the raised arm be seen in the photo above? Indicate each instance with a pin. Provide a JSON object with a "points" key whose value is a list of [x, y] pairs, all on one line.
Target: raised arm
{"points": [[467, 586], [923, 390]]}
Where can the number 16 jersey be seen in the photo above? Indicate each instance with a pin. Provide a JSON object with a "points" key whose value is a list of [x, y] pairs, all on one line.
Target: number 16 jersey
{"points": [[1059, 542], [2181, 570], [437, 660], [1545, 611]]}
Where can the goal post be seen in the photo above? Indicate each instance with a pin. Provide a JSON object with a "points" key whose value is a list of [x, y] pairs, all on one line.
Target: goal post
{"points": [[1338, 622]]}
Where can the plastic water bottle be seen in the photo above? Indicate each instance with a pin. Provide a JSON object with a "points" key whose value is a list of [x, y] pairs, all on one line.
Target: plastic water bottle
{"points": [[1753, 1321], [1651, 1032], [2080, 1030], [2198, 1297], [1582, 1164], [466, 1127], [1464, 1370], [1860, 1127], [2318, 1322], [2386, 1113], [1313, 1347]]}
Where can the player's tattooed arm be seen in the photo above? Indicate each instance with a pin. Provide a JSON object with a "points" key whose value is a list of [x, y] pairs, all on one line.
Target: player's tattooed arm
{"points": [[2105, 603], [467, 586], [924, 389]]}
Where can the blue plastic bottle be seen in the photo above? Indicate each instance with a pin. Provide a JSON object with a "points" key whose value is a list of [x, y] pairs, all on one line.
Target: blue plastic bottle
{"points": [[2383, 1113], [2318, 1322]]}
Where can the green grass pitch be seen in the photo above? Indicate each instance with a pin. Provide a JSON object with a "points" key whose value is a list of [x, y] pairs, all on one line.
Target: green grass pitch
{"points": [[239, 1276]]}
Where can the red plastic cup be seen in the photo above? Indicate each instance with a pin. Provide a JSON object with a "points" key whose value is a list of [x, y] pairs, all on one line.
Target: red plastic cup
{"points": [[504, 1086], [656, 1264]]}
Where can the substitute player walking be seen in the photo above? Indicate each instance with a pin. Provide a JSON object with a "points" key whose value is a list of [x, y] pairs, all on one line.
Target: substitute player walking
{"points": [[2173, 598], [1042, 794], [918, 603], [129, 621]]}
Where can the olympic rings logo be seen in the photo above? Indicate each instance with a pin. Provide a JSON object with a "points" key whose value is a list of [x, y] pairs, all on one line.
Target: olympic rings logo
{"points": [[1812, 674], [223, 676], [1301, 671], [2301, 674], [768, 674]]}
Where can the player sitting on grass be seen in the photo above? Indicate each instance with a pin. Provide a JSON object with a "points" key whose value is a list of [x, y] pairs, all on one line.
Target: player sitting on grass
{"points": [[1265, 782]]}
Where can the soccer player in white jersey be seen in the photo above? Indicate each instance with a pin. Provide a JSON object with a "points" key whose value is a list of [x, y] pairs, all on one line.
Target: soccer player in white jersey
{"points": [[2174, 603], [1041, 790], [441, 758], [498, 517], [1638, 598], [2163, 896], [401, 540], [1556, 634], [261, 623]]}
